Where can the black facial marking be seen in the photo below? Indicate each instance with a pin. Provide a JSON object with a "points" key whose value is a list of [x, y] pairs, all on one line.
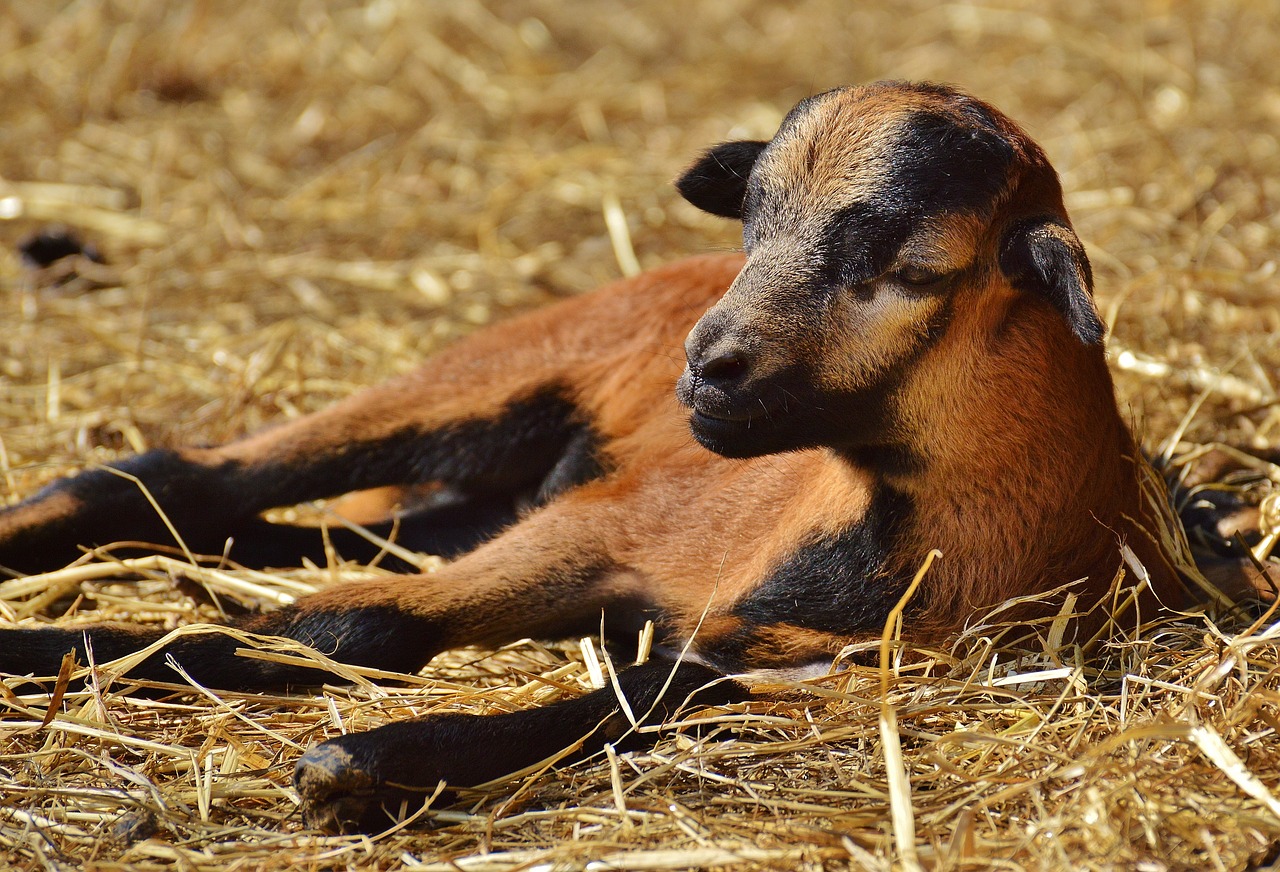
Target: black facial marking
{"points": [[938, 165], [861, 241], [794, 414], [971, 109], [837, 583], [942, 166]]}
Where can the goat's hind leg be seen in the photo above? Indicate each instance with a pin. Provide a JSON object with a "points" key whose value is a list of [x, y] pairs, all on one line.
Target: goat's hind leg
{"points": [[447, 528], [517, 433], [1229, 503], [490, 436]]}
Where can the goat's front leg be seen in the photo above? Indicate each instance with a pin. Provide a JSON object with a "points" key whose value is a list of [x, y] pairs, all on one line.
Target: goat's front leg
{"points": [[550, 575], [360, 782]]}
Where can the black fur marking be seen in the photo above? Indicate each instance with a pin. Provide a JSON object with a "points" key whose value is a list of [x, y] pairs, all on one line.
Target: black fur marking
{"points": [[794, 414], [209, 658], [941, 166], [893, 460], [379, 637], [797, 415], [580, 462], [836, 583], [1042, 256], [491, 462], [496, 469], [383, 636], [970, 108], [861, 241], [449, 530], [717, 182], [112, 508], [510, 453], [938, 166]]}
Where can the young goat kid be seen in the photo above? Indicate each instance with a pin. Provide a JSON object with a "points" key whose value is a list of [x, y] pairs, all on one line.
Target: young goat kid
{"points": [[906, 356]]}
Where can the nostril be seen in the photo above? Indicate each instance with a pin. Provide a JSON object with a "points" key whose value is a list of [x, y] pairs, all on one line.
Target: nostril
{"points": [[724, 367]]}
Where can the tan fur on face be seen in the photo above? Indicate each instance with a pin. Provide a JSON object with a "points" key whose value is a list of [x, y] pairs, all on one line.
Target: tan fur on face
{"points": [[863, 339], [943, 244], [835, 152]]}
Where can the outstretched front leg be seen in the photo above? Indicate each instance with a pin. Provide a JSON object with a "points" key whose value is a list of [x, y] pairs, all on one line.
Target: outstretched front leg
{"points": [[551, 575], [359, 782]]}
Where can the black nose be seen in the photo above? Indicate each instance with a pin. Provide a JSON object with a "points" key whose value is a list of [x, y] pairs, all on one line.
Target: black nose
{"points": [[718, 355], [726, 366]]}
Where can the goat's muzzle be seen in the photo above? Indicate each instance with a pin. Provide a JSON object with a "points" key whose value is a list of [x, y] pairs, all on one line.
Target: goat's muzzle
{"points": [[723, 387]]}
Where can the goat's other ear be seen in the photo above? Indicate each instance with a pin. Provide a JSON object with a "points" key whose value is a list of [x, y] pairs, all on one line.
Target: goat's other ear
{"points": [[1043, 256], [717, 182]]}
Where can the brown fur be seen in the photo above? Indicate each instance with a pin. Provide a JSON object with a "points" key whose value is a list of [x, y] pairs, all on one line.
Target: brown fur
{"points": [[979, 419]]}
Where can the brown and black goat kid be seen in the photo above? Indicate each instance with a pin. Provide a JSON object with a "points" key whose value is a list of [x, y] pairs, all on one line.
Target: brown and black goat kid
{"points": [[906, 356]]}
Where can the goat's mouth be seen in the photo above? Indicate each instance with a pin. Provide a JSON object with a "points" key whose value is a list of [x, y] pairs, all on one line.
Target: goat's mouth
{"points": [[716, 406], [732, 416], [731, 437], [748, 421], [786, 412], [735, 429], [716, 402]]}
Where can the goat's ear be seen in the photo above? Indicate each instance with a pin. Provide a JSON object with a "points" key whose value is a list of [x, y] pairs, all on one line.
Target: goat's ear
{"points": [[717, 182], [1043, 256]]}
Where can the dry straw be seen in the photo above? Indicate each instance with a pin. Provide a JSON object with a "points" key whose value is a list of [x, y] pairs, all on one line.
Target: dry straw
{"points": [[295, 200]]}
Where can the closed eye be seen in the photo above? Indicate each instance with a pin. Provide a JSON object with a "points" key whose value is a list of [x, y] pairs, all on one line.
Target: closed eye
{"points": [[921, 278]]}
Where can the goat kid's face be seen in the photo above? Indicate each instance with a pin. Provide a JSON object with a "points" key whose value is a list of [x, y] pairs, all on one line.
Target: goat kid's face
{"points": [[868, 219]]}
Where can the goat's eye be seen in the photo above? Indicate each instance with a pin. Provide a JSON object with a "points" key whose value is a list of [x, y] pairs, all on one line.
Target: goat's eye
{"points": [[919, 277]]}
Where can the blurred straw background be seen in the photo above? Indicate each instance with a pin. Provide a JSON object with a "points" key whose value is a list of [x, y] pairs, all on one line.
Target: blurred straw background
{"points": [[294, 200]]}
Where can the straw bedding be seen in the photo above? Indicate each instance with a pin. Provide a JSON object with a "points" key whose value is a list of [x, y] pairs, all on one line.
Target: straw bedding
{"points": [[293, 201]]}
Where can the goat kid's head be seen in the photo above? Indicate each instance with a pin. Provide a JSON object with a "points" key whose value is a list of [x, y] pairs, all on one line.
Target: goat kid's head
{"points": [[872, 218]]}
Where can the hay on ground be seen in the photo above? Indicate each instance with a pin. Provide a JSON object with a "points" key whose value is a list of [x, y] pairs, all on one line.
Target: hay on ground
{"points": [[291, 202]]}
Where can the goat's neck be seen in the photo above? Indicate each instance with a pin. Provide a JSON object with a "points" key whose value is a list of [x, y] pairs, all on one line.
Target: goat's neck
{"points": [[1026, 481]]}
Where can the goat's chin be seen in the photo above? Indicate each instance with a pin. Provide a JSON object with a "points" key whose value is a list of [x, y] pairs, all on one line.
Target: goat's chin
{"points": [[752, 437]]}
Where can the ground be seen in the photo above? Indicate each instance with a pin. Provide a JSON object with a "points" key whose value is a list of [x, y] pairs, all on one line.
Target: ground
{"points": [[295, 200]]}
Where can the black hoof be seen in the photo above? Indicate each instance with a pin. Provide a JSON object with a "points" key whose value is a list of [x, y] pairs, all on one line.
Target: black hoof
{"points": [[342, 793], [336, 793]]}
